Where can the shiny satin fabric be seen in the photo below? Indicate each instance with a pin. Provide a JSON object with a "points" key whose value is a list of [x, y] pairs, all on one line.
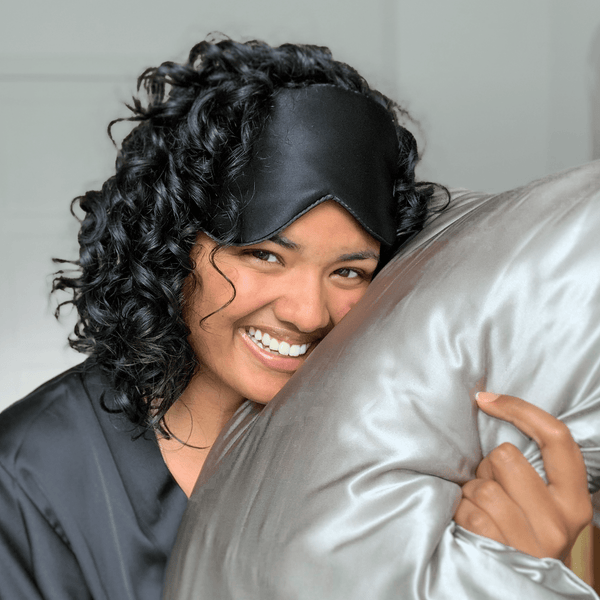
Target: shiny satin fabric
{"points": [[344, 486], [321, 142], [86, 510]]}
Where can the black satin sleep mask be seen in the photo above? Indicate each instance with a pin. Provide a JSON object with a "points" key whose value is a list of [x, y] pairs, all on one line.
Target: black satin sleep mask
{"points": [[320, 143]]}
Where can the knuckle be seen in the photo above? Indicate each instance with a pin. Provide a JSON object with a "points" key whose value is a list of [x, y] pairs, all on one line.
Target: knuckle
{"points": [[467, 488], [555, 538], [504, 453], [582, 514], [587, 514], [486, 491], [559, 433], [476, 521]]}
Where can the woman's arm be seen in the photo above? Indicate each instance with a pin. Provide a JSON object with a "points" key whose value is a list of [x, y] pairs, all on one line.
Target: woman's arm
{"points": [[509, 502]]}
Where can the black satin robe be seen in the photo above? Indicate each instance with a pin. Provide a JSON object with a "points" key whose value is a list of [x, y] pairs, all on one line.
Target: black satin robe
{"points": [[85, 510]]}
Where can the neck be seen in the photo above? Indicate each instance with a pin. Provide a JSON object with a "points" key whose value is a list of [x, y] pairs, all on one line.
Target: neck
{"points": [[195, 421]]}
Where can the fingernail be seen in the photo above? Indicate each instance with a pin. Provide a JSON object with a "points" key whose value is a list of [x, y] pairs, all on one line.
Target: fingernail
{"points": [[486, 396]]}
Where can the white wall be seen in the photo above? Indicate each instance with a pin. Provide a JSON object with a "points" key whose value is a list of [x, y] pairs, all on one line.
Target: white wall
{"points": [[500, 88], [502, 92]]}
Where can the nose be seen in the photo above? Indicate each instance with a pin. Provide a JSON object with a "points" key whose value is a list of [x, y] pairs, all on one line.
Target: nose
{"points": [[303, 303]]}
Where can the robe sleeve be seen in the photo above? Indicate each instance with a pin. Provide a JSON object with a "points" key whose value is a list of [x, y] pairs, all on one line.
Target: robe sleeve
{"points": [[35, 561]]}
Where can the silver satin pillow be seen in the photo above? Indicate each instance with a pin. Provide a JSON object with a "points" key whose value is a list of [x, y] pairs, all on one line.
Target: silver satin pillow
{"points": [[345, 485]]}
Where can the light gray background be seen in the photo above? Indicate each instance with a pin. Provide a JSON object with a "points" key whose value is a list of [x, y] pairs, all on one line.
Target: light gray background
{"points": [[504, 92]]}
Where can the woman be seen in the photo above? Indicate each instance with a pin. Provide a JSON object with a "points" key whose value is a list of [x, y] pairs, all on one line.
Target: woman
{"points": [[256, 198]]}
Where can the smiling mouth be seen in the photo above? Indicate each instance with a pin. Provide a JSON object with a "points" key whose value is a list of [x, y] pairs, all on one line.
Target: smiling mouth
{"points": [[273, 345]]}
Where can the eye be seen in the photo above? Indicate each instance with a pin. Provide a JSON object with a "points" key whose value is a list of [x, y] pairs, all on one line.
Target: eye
{"points": [[351, 275], [348, 273], [263, 256]]}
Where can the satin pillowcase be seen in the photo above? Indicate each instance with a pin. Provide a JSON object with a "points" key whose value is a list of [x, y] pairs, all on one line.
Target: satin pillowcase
{"points": [[345, 485]]}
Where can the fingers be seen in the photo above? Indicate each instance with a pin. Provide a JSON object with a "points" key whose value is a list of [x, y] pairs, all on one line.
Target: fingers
{"points": [[514, 475], [562, 458], [507, 465], [510, 502], [473, 518], [486, 509], [565, 502]]}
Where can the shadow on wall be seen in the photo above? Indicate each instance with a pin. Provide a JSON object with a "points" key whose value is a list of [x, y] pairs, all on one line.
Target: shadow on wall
{"points": [[594, 91]]}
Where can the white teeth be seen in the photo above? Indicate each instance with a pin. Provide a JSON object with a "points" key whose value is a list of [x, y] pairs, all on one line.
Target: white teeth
{"points": [[265, 341]]}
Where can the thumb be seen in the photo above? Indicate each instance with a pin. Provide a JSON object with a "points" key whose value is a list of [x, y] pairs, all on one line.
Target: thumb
{"points": [[562, 458], [501, 406], [530, 419]]}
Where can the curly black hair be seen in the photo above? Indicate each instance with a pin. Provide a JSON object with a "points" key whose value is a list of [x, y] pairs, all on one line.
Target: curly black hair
{"points": [[194, 135]]}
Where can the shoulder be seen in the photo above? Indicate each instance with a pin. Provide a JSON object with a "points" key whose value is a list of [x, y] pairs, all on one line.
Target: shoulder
{"points": [[54, 442], [50, 415]]}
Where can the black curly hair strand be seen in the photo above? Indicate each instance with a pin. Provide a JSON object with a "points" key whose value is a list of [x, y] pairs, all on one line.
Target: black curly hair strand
{"points": [[194, 134]]}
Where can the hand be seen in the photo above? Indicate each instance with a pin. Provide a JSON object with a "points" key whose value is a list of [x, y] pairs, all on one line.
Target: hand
{"points": [[510, 503]]}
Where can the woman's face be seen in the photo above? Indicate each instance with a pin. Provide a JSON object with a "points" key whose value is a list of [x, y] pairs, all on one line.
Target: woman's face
{"points": [[290, 292]]}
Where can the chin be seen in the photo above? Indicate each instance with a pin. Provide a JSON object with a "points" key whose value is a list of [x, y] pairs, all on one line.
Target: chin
{"points": [[266, 393]]}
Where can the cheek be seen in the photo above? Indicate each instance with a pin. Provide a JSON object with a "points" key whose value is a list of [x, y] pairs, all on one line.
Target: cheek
{"points": [[214, 291], [216, 295], [344, 302]]}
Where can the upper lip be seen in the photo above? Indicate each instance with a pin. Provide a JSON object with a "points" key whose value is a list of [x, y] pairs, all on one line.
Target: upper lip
{"points": [[284, 335]]}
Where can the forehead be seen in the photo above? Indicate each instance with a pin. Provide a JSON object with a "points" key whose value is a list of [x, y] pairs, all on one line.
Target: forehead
{"points": [[328, 228], [327, 224]]}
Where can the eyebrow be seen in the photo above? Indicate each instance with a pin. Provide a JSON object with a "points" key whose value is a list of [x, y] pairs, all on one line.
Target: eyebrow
{"points": [[283, 241], [362, 255]]}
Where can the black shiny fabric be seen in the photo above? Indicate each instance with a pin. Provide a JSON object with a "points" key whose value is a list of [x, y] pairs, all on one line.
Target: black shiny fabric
{"points": [[321, 142], [85, 510]]}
